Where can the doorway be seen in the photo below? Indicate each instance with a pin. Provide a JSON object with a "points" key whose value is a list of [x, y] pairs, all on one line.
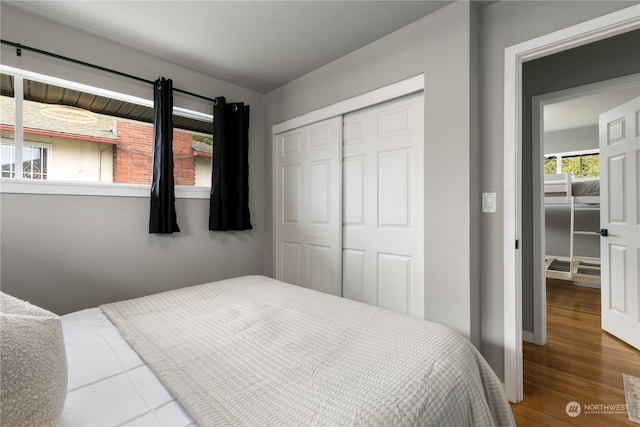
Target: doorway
{"points": [[517, 113], [566, 229]]}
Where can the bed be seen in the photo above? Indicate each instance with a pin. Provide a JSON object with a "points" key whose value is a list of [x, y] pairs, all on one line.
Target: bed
{"points": [[256, 351], [577, 196], [562, 188]]}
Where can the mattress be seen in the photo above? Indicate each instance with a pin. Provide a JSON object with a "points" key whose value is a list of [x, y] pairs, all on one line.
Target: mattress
{"points": [[585, 187], [256, 351], [109, 384]]}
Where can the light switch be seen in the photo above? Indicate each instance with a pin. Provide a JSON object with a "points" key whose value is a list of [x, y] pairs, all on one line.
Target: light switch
{"points": [[489, 202]]}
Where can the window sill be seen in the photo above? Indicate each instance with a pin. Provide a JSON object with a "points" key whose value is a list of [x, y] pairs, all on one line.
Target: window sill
{"points": [[14, 186]]}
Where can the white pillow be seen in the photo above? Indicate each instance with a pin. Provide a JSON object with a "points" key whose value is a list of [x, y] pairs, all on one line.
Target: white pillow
{"points": [[33, 364]]}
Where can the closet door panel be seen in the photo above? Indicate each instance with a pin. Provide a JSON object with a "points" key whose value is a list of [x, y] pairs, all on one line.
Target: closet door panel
{"points": [[353, 195], [383, 210], [394, 181], [290, 261], [394, 282], [308, 217], [353, 274]]}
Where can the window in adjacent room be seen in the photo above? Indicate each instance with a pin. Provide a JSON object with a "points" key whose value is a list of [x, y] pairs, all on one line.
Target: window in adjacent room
{"points": [[550, 165], [584, 164]]}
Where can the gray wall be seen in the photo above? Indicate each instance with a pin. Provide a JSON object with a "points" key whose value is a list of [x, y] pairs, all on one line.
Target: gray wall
{"points": [[562, 141], [438, 46], [505, 24], [66, 253]]}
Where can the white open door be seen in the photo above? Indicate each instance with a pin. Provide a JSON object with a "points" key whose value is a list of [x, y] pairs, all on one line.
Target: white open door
{"points": [[308, 199], [620, 220]]}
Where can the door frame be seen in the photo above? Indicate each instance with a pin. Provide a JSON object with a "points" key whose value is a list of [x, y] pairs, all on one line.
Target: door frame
{"points": [[376, 96], [539, 237], [596, 29]]}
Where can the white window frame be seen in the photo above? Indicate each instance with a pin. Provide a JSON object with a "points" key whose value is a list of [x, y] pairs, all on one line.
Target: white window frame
{"points": [[33, 144], [559, 156], [19, 185]]}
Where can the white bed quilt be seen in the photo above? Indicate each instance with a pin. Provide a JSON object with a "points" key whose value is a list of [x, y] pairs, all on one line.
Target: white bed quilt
{"points": [[258, 352]]}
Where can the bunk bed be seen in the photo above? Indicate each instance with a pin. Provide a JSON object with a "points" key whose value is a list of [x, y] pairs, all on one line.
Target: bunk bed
{"points": [[581, 195]]}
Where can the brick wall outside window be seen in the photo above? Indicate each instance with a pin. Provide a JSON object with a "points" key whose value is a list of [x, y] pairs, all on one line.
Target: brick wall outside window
{"points": [[132, 156]]}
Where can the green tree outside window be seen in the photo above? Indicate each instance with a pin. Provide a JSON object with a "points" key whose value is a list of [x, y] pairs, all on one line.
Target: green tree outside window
{"points": [[586, 166], [550, 166]]}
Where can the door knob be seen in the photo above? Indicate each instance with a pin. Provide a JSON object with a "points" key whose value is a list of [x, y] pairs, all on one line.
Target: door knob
{"points": [[604, 232]]}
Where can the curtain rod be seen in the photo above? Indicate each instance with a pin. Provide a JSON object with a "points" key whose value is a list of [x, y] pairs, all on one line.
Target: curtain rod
{"points": [[19, 48]]}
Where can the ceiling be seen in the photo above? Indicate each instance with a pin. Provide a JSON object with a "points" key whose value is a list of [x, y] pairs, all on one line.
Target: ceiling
{"points": [[259, 45], [584, 111]]}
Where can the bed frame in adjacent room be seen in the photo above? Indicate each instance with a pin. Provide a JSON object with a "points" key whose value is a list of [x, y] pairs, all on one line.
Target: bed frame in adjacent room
{"points": [[581, 195]]}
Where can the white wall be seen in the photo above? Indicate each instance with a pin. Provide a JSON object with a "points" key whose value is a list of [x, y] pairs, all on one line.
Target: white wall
{"points": [[71, 252], [438, 46]]}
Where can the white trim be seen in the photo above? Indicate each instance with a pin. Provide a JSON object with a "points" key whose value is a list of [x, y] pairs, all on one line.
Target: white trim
{"points": [[101, 189], [597, 29], [539, 334], [567, 153], [18, 124], [376, 96]]}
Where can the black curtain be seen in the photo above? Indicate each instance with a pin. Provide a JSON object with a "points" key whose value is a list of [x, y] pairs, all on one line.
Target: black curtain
{"points": [[162, 218], [229, 204]]}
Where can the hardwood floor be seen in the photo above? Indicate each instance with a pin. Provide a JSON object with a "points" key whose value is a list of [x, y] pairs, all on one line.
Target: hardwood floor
{"points": [[580, 363]]}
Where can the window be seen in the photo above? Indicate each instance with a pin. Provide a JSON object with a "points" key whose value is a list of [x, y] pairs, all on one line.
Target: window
{"points": [[75, 133], [550, 165], [583, 164], [35, 160]]}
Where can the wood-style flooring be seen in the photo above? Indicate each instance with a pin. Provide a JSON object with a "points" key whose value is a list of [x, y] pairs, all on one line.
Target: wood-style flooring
{"points": [[580, 363]]}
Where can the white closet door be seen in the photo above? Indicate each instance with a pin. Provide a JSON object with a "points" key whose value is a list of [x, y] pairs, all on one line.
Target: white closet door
{"points": [[308, 223], [383, 205]]}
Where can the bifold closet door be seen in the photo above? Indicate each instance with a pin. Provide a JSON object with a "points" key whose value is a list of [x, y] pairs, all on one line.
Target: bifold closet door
{"points": [[383, 205], [308, 200]]}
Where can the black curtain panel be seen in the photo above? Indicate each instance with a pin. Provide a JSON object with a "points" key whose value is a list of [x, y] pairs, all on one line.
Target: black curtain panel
{"points": [[229, 204], [162, 217]]}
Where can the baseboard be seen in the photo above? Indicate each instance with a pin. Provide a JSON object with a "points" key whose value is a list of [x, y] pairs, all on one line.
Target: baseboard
{"points": [[587, 284], [528, 337]]}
